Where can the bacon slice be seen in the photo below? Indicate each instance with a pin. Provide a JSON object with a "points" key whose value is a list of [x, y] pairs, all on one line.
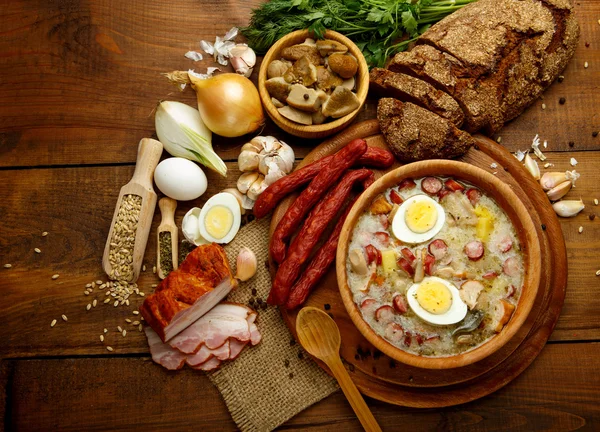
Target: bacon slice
{"points": [[205, 353], [189, 292], [163, 353], [222, 322], [235, 348], [208, 365]]}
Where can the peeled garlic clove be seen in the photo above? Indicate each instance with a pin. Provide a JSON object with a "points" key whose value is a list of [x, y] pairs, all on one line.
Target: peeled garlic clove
{"points": [[246, 180], [238, 195], [245, 264], [552, 179], [248, 160], [568, 208], [557, 192], [257, 187], [532, 167]]}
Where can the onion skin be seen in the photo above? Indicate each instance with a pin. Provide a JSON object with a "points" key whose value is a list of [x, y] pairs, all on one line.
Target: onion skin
{"points": [[229, 104]]}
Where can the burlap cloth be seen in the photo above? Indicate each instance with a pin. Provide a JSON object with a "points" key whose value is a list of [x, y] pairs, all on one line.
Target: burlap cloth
{"points": [[270, 383]]}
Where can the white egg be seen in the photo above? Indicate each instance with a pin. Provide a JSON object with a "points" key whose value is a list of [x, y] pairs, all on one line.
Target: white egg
{"points": [[418, 219], [220, 218], [180, 179], [451, 313]]}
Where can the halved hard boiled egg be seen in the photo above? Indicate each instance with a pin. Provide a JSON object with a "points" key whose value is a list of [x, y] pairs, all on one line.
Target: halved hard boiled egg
{"points": [[436, 301], [220, 218], [418, 219]]}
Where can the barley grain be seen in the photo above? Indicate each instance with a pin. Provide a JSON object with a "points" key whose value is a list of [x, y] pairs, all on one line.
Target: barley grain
{"points": [[154, 269], [7, 266], [54, 277], [127, 320], [116, 303], [140, 327], [45, 233], [101, 338], [580, 229], [88, 285], [136, 312], [585, 65], [86, 292], [543, 106], [105, 330], [120, 329], [124, 333], [89, 306], [597, 274], [37, 250], [109, 348], [53, 323], [144, 267], [94, 303], [595, 203], [64, 317], [135, 323], [99, 282], [106, 300]]}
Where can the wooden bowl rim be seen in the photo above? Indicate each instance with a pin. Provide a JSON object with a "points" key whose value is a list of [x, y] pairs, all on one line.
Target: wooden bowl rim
{"points": [[515, 210], [362, 84]]}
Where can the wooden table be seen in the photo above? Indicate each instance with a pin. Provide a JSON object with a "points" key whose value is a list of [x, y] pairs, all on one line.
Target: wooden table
{"points": [[79, 80]]}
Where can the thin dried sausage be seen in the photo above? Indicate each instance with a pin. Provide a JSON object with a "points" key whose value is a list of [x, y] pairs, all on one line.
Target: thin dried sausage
{"points": [[438, 248], [310, 233], [268, 200], [400, 304], [453, 185], [474, 195], [511, 267], [317, 188], [384, 313]]}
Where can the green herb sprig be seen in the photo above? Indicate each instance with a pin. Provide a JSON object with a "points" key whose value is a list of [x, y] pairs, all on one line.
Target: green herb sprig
{"points": [[380, 28]]}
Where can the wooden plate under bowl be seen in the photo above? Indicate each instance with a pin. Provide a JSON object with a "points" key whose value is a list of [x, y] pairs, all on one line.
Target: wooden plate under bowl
{"points": [[516, 212], [381, 377], [329, 127]]}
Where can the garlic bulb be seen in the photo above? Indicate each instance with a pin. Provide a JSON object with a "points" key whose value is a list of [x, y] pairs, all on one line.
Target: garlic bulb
{"points": [[245, 264], [264, 160]]}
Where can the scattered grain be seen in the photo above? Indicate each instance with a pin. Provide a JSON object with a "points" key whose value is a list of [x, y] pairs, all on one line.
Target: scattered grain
{"points": [[106, 300], [154, 285], [144, 267], [7, 266], [89, 306], [561, 78], [135, 323], [101, 338], [595, 201], [140, 327], [499, 139], [99, 282], [585, 65], [127, 320], [54, 277], [109, 348], [142, 294], [136, 312], [580, 229], [94, 303], [597, 272], [86, 292], [543, 106], [116, 303], [105, 330], [37, 250], [120, 329], [53, 323], [124, 333], [88, 285], [45, 233], [64, 317], [154, 269]]}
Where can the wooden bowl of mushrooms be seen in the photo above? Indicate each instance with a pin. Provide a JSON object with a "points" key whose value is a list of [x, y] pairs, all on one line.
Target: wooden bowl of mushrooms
{"points": [[313, 89]]}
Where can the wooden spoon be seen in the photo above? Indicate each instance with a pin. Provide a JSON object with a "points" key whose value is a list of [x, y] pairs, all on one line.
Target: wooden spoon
{"points": [[167, 210], [149, 152], [320, 336]]}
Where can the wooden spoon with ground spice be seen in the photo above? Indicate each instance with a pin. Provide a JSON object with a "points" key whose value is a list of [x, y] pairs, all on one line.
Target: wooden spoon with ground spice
{"points": [[167, 239]]}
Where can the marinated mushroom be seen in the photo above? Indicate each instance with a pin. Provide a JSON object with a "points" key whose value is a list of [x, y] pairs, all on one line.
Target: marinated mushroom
{"points": [[305, 99], [349, 83], [470, 323], [318, 117], [327, 80], [341, 102], [302, 72], [296, 115], [328, 46], [358, 262], [277, 68], [277, 103], [342, 64], [296, 52], [278, 88]]}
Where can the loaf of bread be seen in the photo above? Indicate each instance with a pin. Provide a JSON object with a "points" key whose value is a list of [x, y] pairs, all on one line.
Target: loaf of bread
{"points": [[494, 57], [414, 133]]}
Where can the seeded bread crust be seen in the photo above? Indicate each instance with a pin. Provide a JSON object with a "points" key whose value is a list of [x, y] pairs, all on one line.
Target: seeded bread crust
{"points": [[414, 133], [414, 90], [495, 57]]}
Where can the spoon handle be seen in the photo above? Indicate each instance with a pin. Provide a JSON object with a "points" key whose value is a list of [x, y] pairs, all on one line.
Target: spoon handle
{"points": [[356, 400]]}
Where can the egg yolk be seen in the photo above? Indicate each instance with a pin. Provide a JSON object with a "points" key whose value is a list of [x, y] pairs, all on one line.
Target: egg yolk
{"points": [[218, 221], [420, 216], [434, 297]]}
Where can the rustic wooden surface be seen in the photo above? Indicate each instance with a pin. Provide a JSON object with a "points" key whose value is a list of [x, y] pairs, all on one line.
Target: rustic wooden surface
{"points": [[79, 80]]}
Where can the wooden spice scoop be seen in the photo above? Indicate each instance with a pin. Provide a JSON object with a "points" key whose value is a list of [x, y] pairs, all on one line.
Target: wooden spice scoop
{"points": [[149, 152], [167, 210], [320, 336]]}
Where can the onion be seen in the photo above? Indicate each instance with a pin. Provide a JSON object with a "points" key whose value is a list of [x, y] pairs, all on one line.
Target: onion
{"points": [[229, 104]]}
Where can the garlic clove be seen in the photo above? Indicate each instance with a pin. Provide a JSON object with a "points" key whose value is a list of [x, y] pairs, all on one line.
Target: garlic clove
{"points": [[239, 196], [244, 53], [248, 160], [263, 165], [274, 174], [246, 180], [257, 187], [532, 167], [247, 203], [245, 264], [552, 179], [287, 156], [256, 143], [568, 208], [557, 192], [573, 176]]}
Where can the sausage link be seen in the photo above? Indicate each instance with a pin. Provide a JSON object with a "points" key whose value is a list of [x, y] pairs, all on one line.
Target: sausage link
{"points": [[318, 267], [268, 200], [317, 188], [474, 250], [314, 226], [431, 185]]}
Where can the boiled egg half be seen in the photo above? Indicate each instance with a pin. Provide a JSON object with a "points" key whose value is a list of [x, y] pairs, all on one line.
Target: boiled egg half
{"points": [[418, 219], [436, 301], [220, 218]]}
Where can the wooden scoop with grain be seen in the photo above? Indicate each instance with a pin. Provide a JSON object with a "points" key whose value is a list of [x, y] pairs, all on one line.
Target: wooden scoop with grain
{"points": [[319, 335], [130, 227]]}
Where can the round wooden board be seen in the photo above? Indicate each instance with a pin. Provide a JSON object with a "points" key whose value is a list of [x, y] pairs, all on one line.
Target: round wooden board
{"points": [[379, 377]]}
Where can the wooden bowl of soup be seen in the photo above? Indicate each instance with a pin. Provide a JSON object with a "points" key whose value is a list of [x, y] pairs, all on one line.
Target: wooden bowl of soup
{"points": [[438, 264], [331, 125]]}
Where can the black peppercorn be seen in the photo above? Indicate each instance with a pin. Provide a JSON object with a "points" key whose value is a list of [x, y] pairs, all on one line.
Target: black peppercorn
{"points": [[571, 144], [306, 96], [292, 342], [587, 44], [351, 367], [254, 292], [561, 78], [543, 227], [562, 100], [327, 306], [592, 216], [392, 364], [300, 355], [291, 375], [595, 134]]}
